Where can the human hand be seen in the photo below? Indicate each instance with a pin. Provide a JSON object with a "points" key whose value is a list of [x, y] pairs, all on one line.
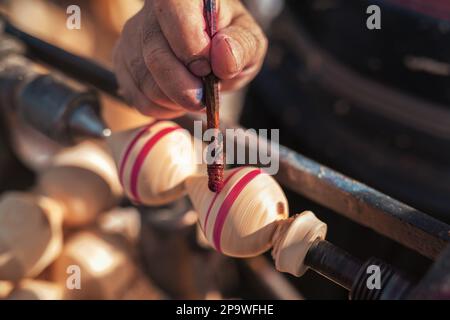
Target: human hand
{"points": [[164, 50]]}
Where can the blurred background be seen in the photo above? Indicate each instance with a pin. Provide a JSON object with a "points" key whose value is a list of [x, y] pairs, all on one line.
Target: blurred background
{"points": [[372, 104]]}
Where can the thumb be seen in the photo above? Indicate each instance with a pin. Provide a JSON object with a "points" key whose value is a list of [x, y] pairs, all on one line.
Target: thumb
{"points": [[240, 46]]}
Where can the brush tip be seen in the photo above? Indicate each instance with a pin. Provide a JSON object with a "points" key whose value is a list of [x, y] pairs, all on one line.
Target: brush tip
{"points": [[215, 177]]}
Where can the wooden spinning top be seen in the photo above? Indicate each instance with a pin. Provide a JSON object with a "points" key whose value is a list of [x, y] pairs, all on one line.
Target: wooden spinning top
{"points": [[154, 161], [30, 234], [250, 215], [84, 179], [241, 219]]}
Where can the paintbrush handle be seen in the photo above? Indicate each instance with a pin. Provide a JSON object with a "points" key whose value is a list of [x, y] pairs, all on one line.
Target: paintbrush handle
{"points": [[212, 101]]}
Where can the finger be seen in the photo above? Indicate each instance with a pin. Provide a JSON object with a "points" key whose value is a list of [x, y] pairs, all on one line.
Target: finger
{"points": [[241, 80], [240, 46], [151, 89], [130, 47], [147, 85], [184, 27], [169, 73], [135, 97]]}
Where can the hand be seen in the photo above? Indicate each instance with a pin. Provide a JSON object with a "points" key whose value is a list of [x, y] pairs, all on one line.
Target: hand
{"points": [[164, 50]]}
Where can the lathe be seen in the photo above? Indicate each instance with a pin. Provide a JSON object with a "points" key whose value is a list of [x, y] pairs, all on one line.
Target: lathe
{"points": [[152, 168]]}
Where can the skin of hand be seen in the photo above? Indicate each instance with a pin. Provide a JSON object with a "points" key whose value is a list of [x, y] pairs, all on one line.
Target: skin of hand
{"points": [[164, 50]]}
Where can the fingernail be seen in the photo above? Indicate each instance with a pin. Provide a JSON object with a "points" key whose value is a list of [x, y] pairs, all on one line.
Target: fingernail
{"points": [[235, 51], [199, 95], [200, 67]]}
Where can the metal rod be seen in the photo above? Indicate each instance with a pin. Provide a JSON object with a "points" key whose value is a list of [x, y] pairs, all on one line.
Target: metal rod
{"points": [[350, 273], [78, 67], [362, 204], [333, 263]]}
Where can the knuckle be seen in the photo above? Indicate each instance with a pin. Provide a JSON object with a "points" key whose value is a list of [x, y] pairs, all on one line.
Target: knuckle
{"points": [[156, 56], [149, 33], [138, 70]]}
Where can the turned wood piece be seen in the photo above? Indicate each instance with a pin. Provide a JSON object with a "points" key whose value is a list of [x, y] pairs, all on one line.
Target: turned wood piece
{"points": [[84, 179], [241, 219], [105, 266], [30, 234], [250, 215], [125, 222], [153, 162], [292, 240], [36, 290]]}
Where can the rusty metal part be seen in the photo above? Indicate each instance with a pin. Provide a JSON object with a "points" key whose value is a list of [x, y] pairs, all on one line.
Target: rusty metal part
{"points": [[362, 204]]}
